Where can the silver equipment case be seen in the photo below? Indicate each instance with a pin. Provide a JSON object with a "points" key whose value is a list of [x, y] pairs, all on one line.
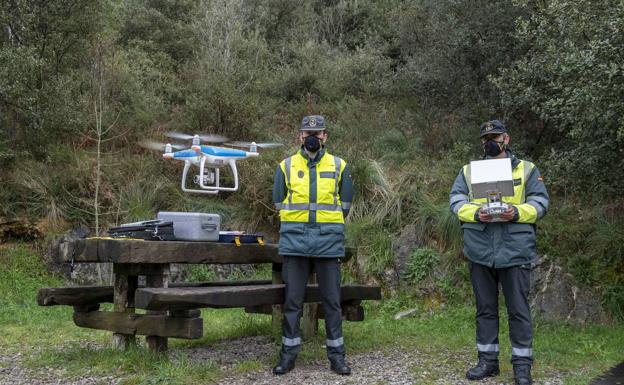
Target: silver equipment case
{"points": [[193, 226]]}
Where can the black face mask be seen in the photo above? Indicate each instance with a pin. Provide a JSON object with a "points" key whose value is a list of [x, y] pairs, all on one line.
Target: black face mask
{"points": [[312, 143], [493, 148]]}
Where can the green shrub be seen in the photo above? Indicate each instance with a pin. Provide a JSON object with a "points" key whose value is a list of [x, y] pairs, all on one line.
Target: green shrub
{"points": [[421, 263], [199, 273], [613, 300], [571, 79]]}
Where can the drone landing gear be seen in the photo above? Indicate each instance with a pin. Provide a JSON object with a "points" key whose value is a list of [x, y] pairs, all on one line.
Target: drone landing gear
{"points": [[216, 187], [187, 165], [208, 178]]}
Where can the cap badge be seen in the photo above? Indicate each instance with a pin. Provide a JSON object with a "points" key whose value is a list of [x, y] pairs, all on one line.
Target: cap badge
{"points": [[488, 126], [312, 122]]}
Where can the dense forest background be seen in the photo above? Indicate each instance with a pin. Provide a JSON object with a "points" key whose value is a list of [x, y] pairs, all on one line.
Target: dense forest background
{"points": [[403, 85]]}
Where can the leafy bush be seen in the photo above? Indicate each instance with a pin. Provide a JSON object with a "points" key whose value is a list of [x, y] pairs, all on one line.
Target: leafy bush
{"points": [[572, 79], [200, 273], [613, 300], [450, 48], [421, 263]]}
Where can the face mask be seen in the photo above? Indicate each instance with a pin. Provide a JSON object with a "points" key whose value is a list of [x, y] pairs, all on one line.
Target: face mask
{"points": [[312, 143], [493, 148]]}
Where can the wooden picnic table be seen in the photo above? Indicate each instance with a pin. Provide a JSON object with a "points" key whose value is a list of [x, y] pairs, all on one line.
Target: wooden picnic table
{"points": [[172, 309]]}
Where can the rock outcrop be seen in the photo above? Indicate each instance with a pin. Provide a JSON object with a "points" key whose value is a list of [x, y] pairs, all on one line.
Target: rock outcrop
{"points": [[555, 296]]}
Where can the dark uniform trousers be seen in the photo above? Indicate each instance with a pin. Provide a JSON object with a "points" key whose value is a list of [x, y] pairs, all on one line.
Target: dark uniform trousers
{"points": [[295, 272], [515, 282]]}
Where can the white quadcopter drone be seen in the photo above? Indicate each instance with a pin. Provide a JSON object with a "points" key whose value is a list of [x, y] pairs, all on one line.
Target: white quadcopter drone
{"points": [[210, 159]]}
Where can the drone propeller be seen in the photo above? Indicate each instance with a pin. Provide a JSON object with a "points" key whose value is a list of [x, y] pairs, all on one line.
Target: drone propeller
{"points": [[158, 146], [204, 138], [251, 144]]}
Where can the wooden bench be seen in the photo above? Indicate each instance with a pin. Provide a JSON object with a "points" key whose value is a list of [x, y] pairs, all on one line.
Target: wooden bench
{"points": [[172, 309]]}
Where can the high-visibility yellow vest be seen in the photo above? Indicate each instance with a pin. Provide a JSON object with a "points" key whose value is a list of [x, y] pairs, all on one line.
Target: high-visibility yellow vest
{"points": [[296, 206], [526, 212]]}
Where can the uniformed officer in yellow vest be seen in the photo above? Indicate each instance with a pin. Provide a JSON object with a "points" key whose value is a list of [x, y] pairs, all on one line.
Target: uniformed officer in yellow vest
{"points": [[312, 191], [501, 252]]}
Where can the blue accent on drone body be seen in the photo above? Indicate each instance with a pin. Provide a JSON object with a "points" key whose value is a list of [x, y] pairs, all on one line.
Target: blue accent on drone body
{"points": [[221, 151], [185, 154]]}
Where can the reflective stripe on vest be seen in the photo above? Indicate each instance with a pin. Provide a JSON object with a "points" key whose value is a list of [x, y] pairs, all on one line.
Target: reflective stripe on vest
{"points": [[521, 171], [309, 206], [296, 206]]}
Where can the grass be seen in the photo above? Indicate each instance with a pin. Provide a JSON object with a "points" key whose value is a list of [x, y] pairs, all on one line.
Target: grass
{"points": [[47, 337]]}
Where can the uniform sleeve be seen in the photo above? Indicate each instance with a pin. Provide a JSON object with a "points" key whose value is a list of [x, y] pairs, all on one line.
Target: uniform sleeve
{"points": [[346, 190], [537, 200], [459, 200], [279, 187]]}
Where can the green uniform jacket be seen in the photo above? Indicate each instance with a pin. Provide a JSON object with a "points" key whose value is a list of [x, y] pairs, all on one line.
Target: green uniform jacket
{"points": [[313, 239], [501, 244]]}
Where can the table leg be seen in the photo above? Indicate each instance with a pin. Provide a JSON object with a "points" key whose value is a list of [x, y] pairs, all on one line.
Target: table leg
{"points": [[277, 311], [123, 301], [159, 278]]}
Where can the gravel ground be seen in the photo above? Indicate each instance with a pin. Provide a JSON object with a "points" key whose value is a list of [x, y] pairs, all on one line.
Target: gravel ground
{"points": [[376, 367], [228, 353], [13, 373]]}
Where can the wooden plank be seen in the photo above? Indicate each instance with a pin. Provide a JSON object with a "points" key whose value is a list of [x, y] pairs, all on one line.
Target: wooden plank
{"points": [[185, 298], [74, 296], [221, 283], [261, 309], [87, 308], [135, 251], [238, 296], [159, 279], [141, 324], [138, 251], [187, 313], [86, 295], [133, 284], [145, 269]]}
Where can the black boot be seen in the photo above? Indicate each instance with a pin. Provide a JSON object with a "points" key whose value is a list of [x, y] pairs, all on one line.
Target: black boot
{"points": [[285, 365], [482, 370], [522, 374], [338, 365]]}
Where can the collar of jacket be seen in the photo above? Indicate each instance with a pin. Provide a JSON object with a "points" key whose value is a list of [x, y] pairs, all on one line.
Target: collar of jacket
{"points": [[514, 161], [316, 159]]}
